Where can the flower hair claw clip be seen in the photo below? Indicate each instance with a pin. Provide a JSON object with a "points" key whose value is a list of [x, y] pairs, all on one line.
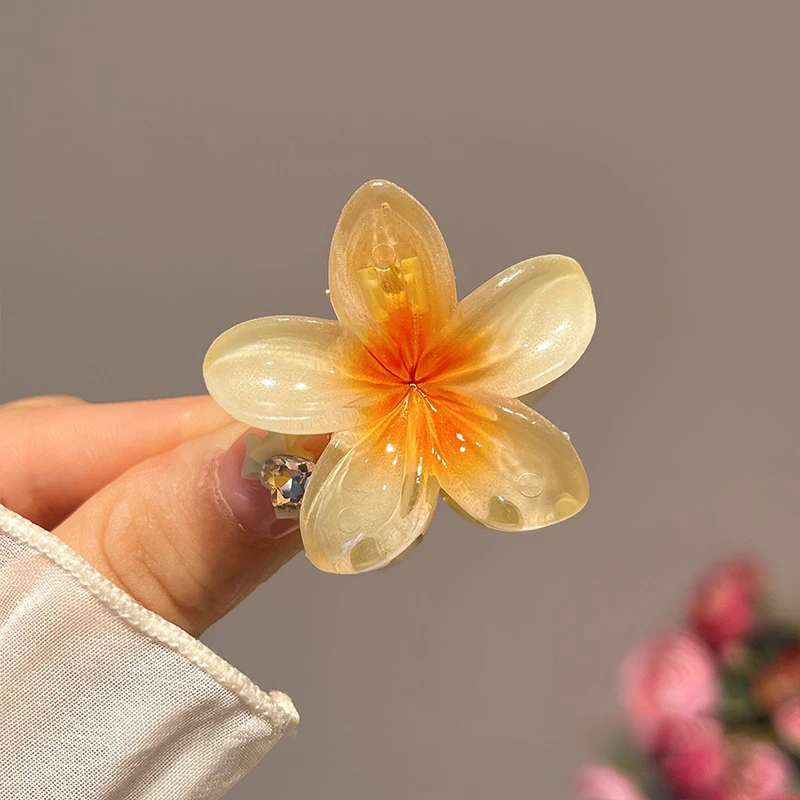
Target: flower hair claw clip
{"points": [[418, 390]]}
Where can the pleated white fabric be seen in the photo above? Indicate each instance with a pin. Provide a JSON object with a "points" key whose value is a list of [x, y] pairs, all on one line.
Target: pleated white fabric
{"points": [[101, 699]]}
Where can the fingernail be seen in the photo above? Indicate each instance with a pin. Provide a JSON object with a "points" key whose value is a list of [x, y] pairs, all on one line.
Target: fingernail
{"points": [[248, 500]]}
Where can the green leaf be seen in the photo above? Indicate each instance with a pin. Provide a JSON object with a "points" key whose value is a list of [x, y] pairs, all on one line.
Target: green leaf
{"points": [[769, 641], [738, 706]]}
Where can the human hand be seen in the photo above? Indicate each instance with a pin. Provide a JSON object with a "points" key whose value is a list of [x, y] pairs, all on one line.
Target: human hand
{"points": [[151, 494]]}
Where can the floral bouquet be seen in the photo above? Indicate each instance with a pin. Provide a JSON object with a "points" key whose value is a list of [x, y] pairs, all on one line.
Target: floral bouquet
{"points": [[713, 708]]}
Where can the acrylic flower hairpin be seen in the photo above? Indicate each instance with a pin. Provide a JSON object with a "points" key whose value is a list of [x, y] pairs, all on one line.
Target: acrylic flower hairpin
{"points": [[417, 389]]}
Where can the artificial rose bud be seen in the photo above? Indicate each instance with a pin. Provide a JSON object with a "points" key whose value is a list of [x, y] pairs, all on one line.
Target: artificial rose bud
{"points": [[692, 755], [757, 771], [603, 782], [787, 724], [722, 608], [672, 675]]}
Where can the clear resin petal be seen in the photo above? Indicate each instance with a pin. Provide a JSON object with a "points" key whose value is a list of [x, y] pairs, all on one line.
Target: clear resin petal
{"points": [[390, 274], [505, 465], [372, 494], [518, 332], [297, 375]]}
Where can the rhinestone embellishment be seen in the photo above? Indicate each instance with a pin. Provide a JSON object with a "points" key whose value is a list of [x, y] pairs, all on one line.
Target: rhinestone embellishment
{"points": [[287, 478]]}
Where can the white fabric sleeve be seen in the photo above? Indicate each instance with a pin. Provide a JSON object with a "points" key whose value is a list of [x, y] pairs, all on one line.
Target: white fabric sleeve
{"points": [[101, 699]]}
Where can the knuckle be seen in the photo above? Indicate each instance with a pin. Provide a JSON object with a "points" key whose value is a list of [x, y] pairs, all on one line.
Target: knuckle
{"points": [[18, 482]]}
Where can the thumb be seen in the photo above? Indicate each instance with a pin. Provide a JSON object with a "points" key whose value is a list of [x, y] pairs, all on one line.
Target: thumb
{"points": [[184, 533]]}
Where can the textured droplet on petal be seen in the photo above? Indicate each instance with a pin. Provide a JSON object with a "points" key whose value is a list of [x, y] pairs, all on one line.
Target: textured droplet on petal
{"points": [[287, 478], [503, 514], [348, 520], [567, 505], [364, 554], [530, 484]]}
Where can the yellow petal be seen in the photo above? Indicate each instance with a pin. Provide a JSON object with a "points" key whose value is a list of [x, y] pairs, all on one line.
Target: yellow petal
{"points": [[518, 332], [372, 494], [390, 274], [505, 465], [296, 375]]}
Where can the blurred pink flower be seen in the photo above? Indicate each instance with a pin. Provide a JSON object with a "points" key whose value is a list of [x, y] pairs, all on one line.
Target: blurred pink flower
{"points": [[757, 771], [602, 782], [722, 608], [692, 755], [672, 675], [787, 724]]}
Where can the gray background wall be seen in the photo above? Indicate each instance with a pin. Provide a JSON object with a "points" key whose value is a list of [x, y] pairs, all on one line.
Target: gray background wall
{"points": [[169, 169]]}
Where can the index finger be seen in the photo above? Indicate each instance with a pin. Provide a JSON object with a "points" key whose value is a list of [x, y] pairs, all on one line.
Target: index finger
{"points": [[57, 452]]}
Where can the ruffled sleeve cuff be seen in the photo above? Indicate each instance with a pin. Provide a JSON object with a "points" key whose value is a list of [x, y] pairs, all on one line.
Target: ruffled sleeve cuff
{"points": [[101, 698]]}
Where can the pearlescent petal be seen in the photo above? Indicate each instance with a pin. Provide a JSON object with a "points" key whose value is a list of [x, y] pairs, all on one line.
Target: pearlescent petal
{"points": [[521, 330], [372, 494], [296, 375], [390, 274], [506, 466]]}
